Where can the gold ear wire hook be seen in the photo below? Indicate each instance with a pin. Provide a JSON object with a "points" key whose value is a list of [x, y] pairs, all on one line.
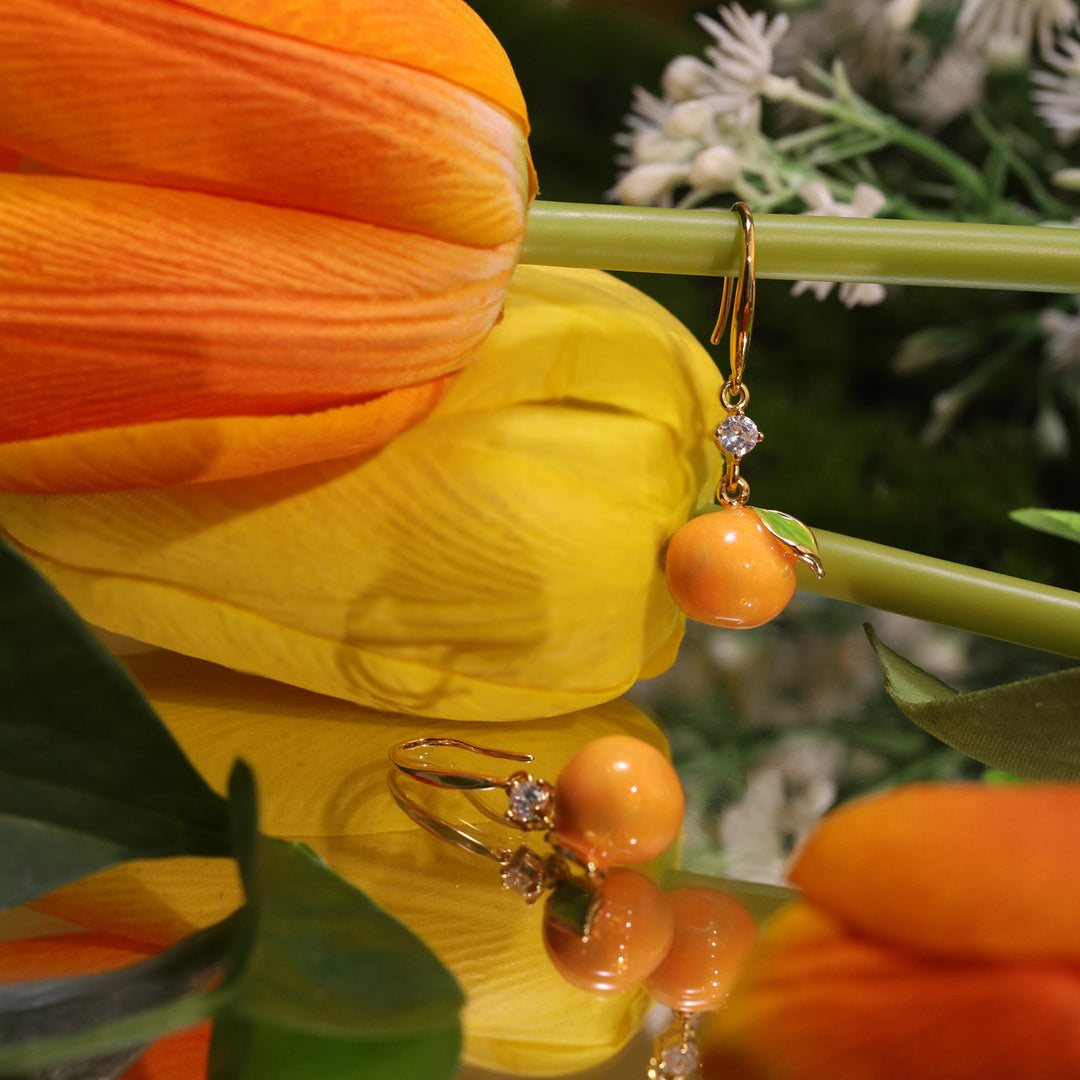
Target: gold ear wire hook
{"points": [[522, 869], [531, 801], [738, 299], [461, 835], [454, 779]]}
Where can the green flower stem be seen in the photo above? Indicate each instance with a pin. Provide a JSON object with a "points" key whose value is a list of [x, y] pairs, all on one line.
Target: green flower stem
{"points": [[997, 606], [797, 247], [853, 111]]}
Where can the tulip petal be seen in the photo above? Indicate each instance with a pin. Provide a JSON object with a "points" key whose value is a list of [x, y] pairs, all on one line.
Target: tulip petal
{"points": [[321, 766], [444, 37], [142, 305], [962, 870], [817, 1003], [168, 95], [499, 560], [210, 448], [184, 1055], [66, 955]]}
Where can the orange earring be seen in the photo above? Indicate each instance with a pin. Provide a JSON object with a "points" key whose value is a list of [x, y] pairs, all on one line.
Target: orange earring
{"points": [[733, 565], [606, 928]]}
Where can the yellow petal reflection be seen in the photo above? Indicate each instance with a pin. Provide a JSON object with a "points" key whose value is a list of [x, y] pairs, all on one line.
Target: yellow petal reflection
{"points": [[500, 560], [321, 770]]}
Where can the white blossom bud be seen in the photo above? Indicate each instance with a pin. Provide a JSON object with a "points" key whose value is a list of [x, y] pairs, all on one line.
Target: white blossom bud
{"points": [[714, 168], [686, 77], [861, 293], [650, 145], [867, 200], [945, 407], [901, 14], [687, 120], [820, 289], [1051, 434], [645, 184], [1067, 179]]}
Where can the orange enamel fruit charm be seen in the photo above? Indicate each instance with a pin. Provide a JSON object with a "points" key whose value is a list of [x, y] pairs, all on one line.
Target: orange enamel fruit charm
{"points": [[619, 799], [631, 933], [727, 569], [714, 935]]}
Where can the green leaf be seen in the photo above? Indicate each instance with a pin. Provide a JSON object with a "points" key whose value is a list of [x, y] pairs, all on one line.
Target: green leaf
{"points": [[266, 1052], [1064, 523], [327, 960], [89, 776], [997, 776], [113, 1036], [1028, 729], [332, 986], [318, 975]]}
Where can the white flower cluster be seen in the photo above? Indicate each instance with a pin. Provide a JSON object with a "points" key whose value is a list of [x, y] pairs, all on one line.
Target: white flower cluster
{"points": [[1005, 29], [1057, 96], [703, 136], [704, 133]]}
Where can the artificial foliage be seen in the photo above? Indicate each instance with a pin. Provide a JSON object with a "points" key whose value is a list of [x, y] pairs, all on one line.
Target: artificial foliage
{"points": [[289, 391]]}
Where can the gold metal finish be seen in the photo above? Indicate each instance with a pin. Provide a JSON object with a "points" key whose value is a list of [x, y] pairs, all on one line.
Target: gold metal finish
{"points": [[451, 778], [737, 301], [522, 869], [532, 801], [461, 835]]}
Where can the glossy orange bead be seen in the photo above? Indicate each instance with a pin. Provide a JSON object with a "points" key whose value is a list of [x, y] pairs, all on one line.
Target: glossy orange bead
{"points": [[727, 569], [713, 937], [631, 934], [620, 798]]}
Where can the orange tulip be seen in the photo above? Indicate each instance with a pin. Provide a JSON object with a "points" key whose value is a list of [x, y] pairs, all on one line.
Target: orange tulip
{"points": [[938, 937], [180, 1056], [288, 226]]}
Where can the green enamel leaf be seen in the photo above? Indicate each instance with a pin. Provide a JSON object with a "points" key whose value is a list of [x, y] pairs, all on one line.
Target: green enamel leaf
{"points": [[785, 527], [793, 533], [89, 776], [1028, 729], [1064, 523], [572, 905]]}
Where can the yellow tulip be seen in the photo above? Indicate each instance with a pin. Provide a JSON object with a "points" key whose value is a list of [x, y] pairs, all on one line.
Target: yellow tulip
{"points": [[498, 561], [321, 768], [280, 231]]}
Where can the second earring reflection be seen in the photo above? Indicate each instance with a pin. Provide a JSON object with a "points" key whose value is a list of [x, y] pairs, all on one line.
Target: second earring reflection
{"points": [[607, 927], [734, 565]]}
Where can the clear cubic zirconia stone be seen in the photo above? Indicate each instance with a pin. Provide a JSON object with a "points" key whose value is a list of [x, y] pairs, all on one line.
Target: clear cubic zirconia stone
{"points": [[530, 802], [680, 1061], [738, 435], [524, 873]]}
